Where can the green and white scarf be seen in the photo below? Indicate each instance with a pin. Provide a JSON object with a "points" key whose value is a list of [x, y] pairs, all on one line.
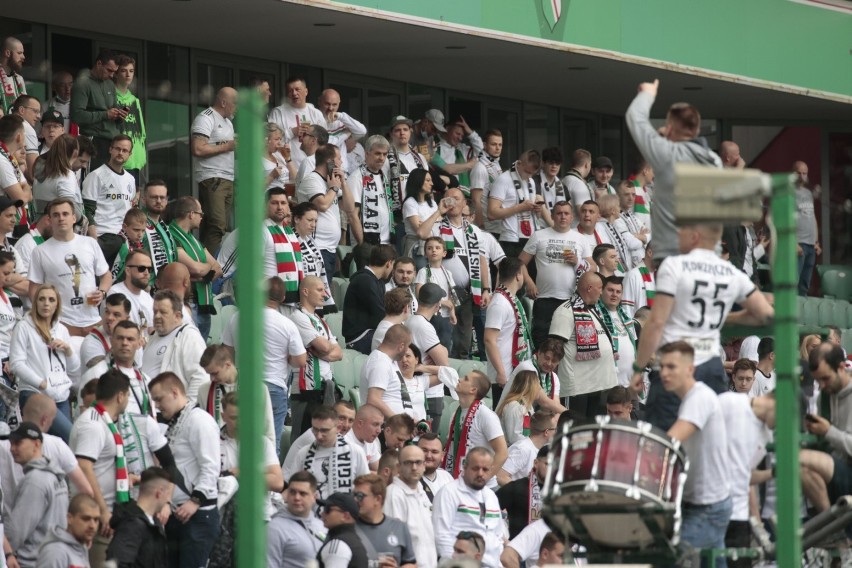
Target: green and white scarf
{"points": [[195, 250]]}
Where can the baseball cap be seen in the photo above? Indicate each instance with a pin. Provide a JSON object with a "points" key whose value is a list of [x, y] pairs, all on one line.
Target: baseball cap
{"points": [[344, 501], [5, 203], [602, 162], [26, 431], [401, 120], [436, 117], [430, 294], [52, 115]]}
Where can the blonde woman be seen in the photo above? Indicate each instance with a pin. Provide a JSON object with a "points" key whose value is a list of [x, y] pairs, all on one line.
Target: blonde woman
{"points": [[809, 343], [277, 164], [516, 408], [41, 357]]}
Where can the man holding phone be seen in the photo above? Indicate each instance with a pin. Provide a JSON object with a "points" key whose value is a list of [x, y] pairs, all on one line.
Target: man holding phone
{"points": [[826, 477], [326, 187]]}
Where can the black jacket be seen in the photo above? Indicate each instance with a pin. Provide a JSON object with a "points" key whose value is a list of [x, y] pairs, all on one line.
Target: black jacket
{"points": [[347, 534], [137, 543], [364, 304]]}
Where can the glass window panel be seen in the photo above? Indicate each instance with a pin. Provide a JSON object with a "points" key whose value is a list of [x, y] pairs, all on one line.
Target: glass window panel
{"points": [[381, 108]]}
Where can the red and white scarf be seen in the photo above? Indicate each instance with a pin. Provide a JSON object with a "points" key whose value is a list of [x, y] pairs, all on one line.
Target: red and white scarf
{"points": [[122, 482], [456, 448], [522, 346]]}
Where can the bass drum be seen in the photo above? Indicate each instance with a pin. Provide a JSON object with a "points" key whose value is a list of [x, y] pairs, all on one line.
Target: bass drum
{"points": [[615, 484]]}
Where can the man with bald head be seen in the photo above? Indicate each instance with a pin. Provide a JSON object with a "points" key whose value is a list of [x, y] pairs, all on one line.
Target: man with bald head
{"points": [[175, 277], [694, 295], [40, 410], [340, 125], [729, 151], [365, 433], [807, 230], [12, 85], [213, 147], [587, 370], [407, 501], [382, 384]]}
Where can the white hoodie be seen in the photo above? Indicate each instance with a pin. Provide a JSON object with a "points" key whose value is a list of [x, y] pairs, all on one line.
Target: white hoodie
{"points": [[32, 361]]}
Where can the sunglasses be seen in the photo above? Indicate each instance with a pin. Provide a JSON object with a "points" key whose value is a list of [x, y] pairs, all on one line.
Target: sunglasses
{"points": [[139, 268], [472, 537]]}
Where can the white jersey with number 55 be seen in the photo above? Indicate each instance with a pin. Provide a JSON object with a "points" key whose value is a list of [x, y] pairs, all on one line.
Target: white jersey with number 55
{"points": [[704, 287]]}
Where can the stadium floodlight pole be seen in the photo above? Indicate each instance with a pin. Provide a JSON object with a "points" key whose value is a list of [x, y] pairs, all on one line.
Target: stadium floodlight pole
{"points": [[787, 437], [251, 532]]}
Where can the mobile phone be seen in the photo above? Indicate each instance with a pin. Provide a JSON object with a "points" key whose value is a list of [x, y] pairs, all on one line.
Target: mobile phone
{"points": [[330, 165], [811, 418]]}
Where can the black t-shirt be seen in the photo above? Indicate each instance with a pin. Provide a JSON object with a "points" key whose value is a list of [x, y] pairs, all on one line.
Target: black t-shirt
{"points": [[515, 498]]}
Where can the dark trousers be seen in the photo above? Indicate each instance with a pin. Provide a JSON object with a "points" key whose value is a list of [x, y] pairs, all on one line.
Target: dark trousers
{"points": [[302, 407], [110, 245], [190, 543], [364, 344], [588, 405], [738, 535], [542, 314], [662, 406], [329, 259], [463, 331], [216, 196], [444, 330], [515, 250]]}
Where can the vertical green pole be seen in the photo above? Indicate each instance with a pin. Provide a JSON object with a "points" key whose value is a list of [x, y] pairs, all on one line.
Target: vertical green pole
{"points": [[785, 278], [251, 532]]}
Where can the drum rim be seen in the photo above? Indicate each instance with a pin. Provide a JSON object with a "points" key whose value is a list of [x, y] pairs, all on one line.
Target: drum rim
{"points": [[630, 427], [608, 484]]}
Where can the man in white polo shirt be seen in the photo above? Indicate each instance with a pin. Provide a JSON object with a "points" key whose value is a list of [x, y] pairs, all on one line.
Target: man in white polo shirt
{"points": [[381, 380], [108, 194], [512, 199]]}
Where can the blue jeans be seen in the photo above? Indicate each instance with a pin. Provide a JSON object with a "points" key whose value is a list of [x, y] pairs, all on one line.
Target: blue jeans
{"points": [[704, 526], [280, 403], [662, 406], [329, 259], [61, 423], [806, 268], [202, 321], [444, 330], [190, 544]]}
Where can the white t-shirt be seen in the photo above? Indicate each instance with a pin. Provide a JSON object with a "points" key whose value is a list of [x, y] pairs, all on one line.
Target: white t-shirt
{"points": [[556, 278], [707, 448], [8, 178], [24, 253], [71, 266], [412, 208], [490, 249], [519, 462], [424, 336], [380, 371], [626, 351], [457, 263], [704, 287], [440, 276], [307, 166], [288, 117], [65, 187], [310, 327], [327, 234], [141, 305], [281, 341], [582, 377], [321, 467], [527, 543], [418, 386], [379, 334], [484, 428], [745, 449], [91, 439], [283, 173], [31, 138], [503, 189], [8, 319], [155, 351], [482, 176], [113, 194], [218, 130], [527, 366], [372, 450], [763, 384], [381, 223], [501, 315]]}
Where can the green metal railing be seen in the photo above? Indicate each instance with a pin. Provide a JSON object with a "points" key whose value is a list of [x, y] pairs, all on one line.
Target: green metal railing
{"points": [[251, 529], [787, 434]]}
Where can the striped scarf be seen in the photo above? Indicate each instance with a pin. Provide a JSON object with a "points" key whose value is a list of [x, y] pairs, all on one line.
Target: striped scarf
{"points": [[195, 250], [648, 284], [626, 321], [288, 256], [640, 205], [370, 199], [522, 346], [122, 483], [474, 265]]}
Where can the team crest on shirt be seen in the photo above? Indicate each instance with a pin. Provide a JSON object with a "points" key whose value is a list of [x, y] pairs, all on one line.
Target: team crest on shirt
{"points": [[392, 540]]}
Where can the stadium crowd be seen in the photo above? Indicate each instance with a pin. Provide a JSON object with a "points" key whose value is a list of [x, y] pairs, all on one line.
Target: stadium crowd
{"points": [[568, 294]]}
